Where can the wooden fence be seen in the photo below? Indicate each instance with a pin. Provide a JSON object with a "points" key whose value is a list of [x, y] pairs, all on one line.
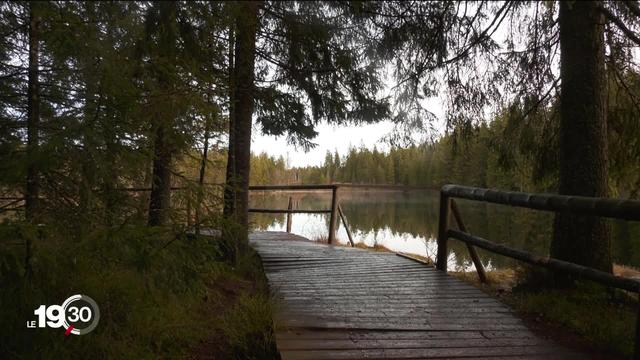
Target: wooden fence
{"points": [[334, 211], [610, 208]]}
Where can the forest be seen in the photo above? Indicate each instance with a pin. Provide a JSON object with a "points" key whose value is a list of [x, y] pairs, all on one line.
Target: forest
{"points": [[126, 131], [504, 153]]}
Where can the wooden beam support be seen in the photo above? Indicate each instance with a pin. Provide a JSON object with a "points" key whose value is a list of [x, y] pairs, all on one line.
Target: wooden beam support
{"points": [[289, 207], [443, 226], [346, 225], [472, 251], [334, 215]]}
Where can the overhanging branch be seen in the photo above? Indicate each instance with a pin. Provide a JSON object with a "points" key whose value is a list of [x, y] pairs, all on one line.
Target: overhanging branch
{"points": [[620, 24]]}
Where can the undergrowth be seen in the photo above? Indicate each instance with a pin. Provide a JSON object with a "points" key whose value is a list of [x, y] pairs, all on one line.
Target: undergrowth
{"points": [[606, 322], [155, 289], [602, 319]]}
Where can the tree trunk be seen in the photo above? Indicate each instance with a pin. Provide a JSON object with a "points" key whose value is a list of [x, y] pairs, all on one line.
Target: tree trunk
{"points": [[160, 199], [583, 135], [229, 193], [163, 147], [33, 116], [246, 27], [109, 193], [203, 168], [88, 161]]}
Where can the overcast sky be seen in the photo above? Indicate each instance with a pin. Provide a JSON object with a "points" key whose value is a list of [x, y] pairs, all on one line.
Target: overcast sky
{"points": [[341, 138], [334, 138]]}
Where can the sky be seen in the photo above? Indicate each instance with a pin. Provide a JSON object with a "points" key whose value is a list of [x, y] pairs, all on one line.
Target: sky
{"points": [[340, 138], [335, 138]]}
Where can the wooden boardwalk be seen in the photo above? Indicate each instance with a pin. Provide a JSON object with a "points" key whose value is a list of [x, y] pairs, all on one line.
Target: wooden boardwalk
{"points": [[338, 302]]}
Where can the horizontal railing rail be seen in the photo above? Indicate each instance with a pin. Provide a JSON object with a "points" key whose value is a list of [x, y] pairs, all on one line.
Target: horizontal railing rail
{"points": [[611, 208], [340, 185], [289, 211], [294, 187]]}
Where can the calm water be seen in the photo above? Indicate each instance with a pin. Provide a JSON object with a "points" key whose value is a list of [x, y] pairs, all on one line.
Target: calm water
{"points": [[407, 222]]}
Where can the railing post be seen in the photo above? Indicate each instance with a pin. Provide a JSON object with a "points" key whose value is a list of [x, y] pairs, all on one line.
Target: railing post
{"points": [[290, 207], [443, 226], [334, 215]]}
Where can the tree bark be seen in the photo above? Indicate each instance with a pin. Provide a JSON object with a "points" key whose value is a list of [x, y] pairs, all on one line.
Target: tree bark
{"points": [[160, 198], [163, 147], [245, 44], [203, 168], [583, 240], [229, 193], [33, 116]]}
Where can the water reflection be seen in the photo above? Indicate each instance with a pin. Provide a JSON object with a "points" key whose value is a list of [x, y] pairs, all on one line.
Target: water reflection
{"points": [[407, 222]]}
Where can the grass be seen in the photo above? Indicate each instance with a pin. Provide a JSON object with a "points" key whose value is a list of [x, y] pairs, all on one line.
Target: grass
{"points": [[161, 295], [375, 247], [606, 324], [587, 316], [381, 248], [241, 316], [360, 245]]}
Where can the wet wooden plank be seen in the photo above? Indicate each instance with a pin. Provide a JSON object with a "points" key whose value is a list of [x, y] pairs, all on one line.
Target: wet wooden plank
{"points": [[497, 352], [345, 344], [335, 302], [352, 334]]}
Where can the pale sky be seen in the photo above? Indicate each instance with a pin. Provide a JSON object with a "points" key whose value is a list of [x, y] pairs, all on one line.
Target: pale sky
{"points": [[340, 138], [332, 138]]}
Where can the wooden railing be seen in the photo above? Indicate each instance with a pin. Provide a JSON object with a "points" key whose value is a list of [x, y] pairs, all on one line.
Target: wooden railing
{"points": [[610, 208], [335, 210]]}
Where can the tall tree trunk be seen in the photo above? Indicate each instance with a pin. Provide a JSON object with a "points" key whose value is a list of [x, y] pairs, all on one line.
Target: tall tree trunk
{"points": [[88, 161], [203, 168], [163, 147], [246, 27], [229, 200], [91, 113], [109, 193], [160, 198], [33, 115], [583, 135]]}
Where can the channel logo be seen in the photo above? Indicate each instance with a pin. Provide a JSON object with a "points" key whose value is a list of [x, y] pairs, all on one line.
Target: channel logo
{"points": [[78, 315]]}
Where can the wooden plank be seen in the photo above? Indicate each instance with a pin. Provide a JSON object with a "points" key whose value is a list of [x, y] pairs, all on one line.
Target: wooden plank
{"points": [[335, 302], [466, 352], [342, 344], [398, 335]]}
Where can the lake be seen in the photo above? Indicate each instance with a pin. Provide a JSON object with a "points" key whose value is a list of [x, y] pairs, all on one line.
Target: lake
{"points": [[407, 221]]}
